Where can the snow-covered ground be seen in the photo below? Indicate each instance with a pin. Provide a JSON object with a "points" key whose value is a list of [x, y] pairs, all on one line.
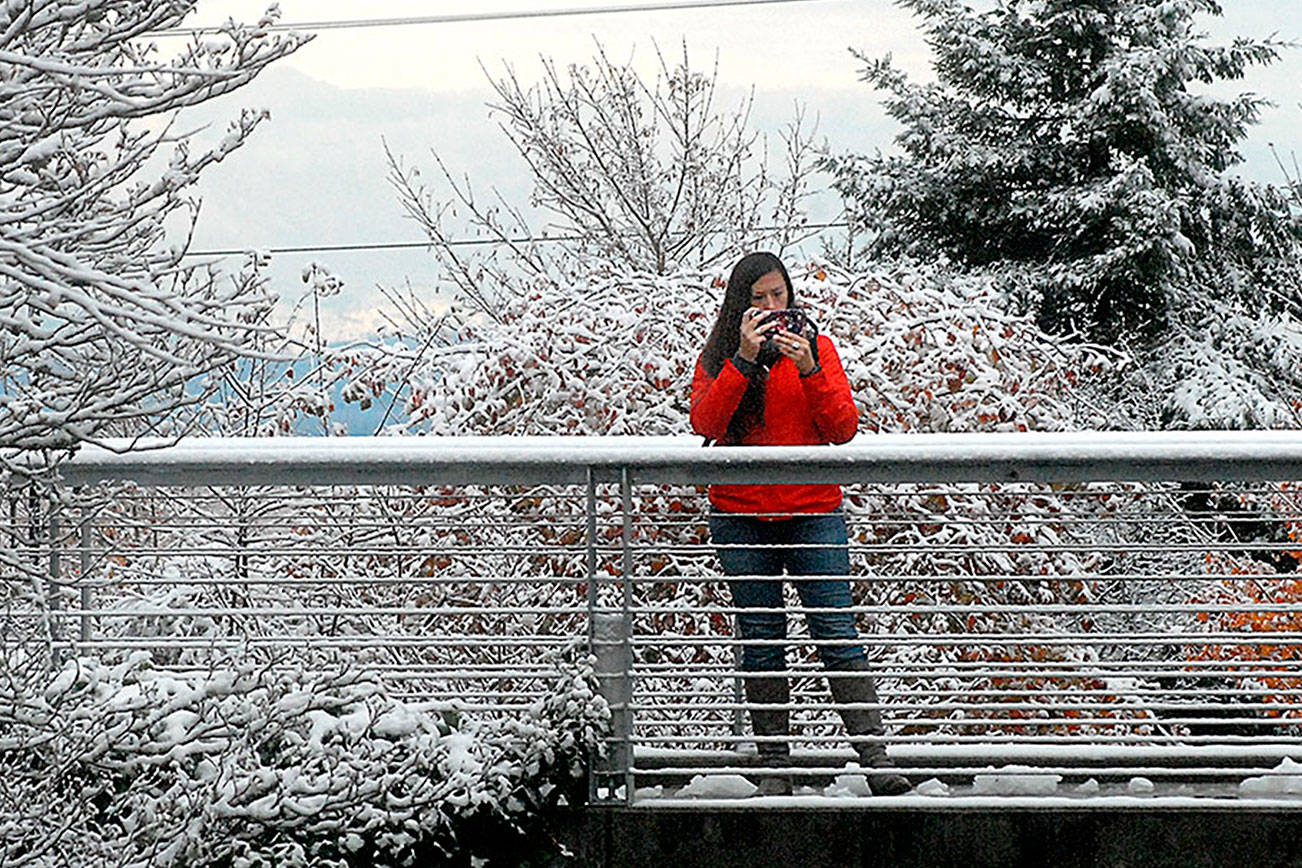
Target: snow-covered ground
{"points": [[1012, 786], [1088, 776]]}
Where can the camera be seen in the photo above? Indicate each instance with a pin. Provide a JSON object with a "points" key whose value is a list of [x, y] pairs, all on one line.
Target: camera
{"points": [[793, 320]]}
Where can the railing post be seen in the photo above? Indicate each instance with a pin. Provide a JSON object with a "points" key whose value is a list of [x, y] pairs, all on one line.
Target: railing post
{"points": [[609, 631], [53, 593], [738, 687], [85, 545], [591, 517], [626, 501]]}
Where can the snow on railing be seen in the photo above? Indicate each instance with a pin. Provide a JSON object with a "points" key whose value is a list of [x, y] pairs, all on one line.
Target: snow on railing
{"points": [[1039, 609]]}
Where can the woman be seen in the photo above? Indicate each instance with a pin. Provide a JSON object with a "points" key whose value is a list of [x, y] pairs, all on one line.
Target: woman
{"points": [[759, 384]]}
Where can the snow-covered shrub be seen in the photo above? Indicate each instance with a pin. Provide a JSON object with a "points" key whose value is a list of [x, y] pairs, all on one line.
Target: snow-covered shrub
{"points": [[1227, 364], [252, 765], [615, 352], [926, 350], [610, 358]]}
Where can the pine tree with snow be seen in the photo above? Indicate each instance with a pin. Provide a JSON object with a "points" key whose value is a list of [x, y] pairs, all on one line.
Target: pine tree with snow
{"points": [[1073, 148]]}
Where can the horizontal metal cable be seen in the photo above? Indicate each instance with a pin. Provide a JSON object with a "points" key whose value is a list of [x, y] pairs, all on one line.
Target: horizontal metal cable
{"points": [[482, 15], [939, 547], [996, 639], [416, 672], [257, 612], [656, 522], [923, 668], [362, 551], [467, 607], [893, 708], [985, 691], [308, 583], [1021, 771], [313, 524], [935, 739], [1189, 747], [1078, 722], [126, 574], [931, 672], [315, 641]]}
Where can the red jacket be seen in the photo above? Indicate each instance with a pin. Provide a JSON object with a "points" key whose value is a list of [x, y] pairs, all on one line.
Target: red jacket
{"points": [[798, 411]]}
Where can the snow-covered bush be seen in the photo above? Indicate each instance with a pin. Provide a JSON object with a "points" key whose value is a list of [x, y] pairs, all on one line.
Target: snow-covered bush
{"points": [[251, 765], [615, 354]]}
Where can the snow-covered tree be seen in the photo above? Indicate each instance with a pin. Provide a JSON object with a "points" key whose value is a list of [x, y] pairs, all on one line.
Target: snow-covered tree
{"points": [[646, 174], [1076, 147], [103, 327]]}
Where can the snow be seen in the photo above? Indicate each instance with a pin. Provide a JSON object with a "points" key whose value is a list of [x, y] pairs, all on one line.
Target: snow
{"points": [[848, 785], [915, 801], [1285, 779], [1029, 786], [1015, 780], [40, 150], [396, 723], [718, 787], [1140, 786], [932, 787], [461, 750]]}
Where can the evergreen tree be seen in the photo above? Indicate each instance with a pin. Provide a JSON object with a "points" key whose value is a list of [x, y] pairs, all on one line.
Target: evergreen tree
{"points": [[1071, 147]]}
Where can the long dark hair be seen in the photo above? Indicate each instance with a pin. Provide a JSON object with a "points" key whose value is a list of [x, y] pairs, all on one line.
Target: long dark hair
{"points": [[725, 337]]}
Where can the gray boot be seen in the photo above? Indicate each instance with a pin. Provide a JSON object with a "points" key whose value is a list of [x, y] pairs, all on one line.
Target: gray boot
{"points": [[771, 690], [852, 685]]}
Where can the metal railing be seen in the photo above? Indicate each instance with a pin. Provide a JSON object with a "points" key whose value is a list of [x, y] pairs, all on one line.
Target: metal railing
{"points": [[1105, 606]]}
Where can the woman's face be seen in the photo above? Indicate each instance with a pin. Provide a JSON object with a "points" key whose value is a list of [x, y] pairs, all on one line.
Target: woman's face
{"points": [[769, 292]]}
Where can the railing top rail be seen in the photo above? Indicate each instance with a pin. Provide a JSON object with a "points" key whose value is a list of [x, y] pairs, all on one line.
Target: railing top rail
{"points": [[1193, 456]]}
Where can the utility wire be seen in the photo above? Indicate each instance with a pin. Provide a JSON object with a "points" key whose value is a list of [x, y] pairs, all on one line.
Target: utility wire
{"points": [[456, 242], [455, 17]]}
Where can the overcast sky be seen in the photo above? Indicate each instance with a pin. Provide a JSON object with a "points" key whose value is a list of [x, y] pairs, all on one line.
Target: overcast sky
{"points": [[315, 173]]}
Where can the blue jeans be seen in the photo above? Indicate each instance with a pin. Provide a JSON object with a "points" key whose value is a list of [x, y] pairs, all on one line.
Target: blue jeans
{"points": [[813, 545]]}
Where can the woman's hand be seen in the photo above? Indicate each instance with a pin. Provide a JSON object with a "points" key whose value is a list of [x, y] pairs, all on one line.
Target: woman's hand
{"points": [[796, 347], [753, 333]]}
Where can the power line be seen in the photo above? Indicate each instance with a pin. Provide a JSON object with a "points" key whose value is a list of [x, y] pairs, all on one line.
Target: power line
{"points": [[455, 242], [455, 18], [376, 245]]}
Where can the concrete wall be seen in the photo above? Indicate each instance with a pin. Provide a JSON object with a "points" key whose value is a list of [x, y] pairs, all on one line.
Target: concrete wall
{"points": [[863, 836]]}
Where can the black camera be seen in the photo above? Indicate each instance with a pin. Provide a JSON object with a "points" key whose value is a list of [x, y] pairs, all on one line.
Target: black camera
{"points": [[793, 320]]}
